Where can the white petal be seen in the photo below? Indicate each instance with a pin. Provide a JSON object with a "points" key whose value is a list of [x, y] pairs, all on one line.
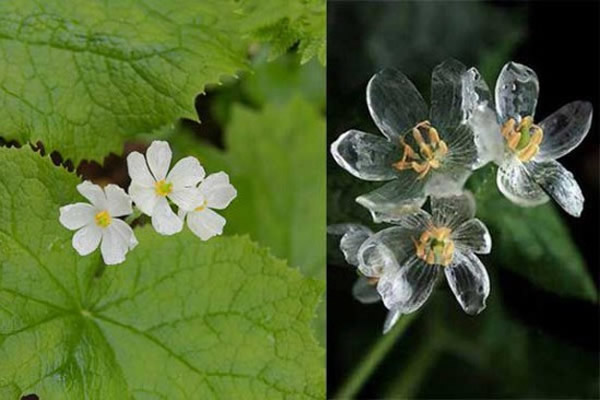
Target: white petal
{"points": [[385, 251], [517, 90], [159, 158], [164, 220], [366, 156], [93, 193], [118, 202], [514, 182], [186, 173], [565, 129], [364, 291], [407, 289], [87, 239], [558, 183], [446, 94], [473, 235], [217, 190], [144, 197], [390, 320], [206, 223], [394, 199], [469, 281], [117, 239], [138, 170], [186, 198], [74, 216], [451, 211], [125, 231]]}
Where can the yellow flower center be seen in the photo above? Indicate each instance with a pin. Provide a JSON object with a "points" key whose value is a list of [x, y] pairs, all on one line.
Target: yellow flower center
{"points": [[428, 155], [163, 188], [523, 138], [435, 246], [201, 206], [103, 219]]}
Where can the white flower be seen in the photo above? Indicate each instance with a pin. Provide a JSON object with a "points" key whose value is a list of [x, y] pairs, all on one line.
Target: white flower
{"points": [[151, 188], [215, 192], [96, 223]]}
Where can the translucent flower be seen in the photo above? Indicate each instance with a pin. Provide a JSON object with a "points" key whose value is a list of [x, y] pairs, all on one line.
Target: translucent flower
{"points": [[151, 188], [423, 153], [215, 192], [97, 223], [365, 288], [416, 251], [528, 171]]}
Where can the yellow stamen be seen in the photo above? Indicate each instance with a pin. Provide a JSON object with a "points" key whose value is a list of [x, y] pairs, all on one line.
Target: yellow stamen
{"points": [[435, 246], [201, 207], [429, 155], [163, 188], [523, 139], [103, 219]]}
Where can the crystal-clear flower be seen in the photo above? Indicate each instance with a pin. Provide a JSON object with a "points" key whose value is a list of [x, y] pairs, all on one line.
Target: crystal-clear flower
{"points": [[421, 245], [528, 171], [424, 152], [98, 223], [214, 193], [153, 185], [365, 288]]}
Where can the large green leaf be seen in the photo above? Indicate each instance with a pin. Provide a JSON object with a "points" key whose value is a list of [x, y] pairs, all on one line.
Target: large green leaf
{"points": [[180, 319], [82, 76]]}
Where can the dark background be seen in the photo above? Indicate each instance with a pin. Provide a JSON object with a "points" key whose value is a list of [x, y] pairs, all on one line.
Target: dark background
{"points": [[557, 336]]}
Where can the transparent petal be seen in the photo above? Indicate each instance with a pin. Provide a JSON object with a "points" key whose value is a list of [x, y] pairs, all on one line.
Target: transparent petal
{"points": [[75, 216], [159, 158], [365, 291], [476, 95], [390, 320], [469, 281], [473, 235], [514, 182], [451, 211], [164, 220], [93, 193], [186, 198], [206, 223], [406, 289], [462, 149], [118, 202], [87, 239], [447, 182], [385, 250], [559, 184], [138, 170], [446, 95], [217, 190], [144, 197], [366, 156], [394, 103], [517, 90], [396, 198], [420, 220], [565, 129], [353, 236], [186, 173]]}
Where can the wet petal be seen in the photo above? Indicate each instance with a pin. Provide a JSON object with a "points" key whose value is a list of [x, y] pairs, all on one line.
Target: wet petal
{"points": [[186, 173], [117, 240], [366, 156], [93, 193], [446, 95], [118, 202], [469, 281], [217, 190], [186, 198], [462, 149], [365, 291], [390, 320], [514, 182], [87, 239], [159, 158], [138, 170], [394, 199], [386, 250], [144, 197], [394, 103], [565, 129], [407, 289], [75, 216], [353, 236], [206, 223], [558, 183], [517, 90], [451, 211], [473, 235], [164, 220], [447, 182]]}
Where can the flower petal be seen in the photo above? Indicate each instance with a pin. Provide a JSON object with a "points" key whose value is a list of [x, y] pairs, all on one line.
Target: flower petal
{"points": [[394, 199], [87, 239], [186, 173], [206, 223], [217, 190], [565, 129], [473, 235], [75, 216], [159, 158], [514, 182], [558, 183], [118, 202], [469, 281], [138, 170], [447, 182], [394, 103], [117, 240], [186, 198], [517, 90], [164, 220], [390, 320], [144, 197], [446, 95], [93, 193], [384, 251], [364, 291], [407, 289], [353, 236], [366, 156], [451, 211]]}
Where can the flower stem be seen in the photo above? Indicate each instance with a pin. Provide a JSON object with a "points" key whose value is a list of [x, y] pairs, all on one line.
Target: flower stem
{"points": [[369, 363], [133, 216]]}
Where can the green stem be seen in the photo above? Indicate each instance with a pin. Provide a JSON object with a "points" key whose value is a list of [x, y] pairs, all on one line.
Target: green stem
{"points": [[369, 363], [135, 215]]}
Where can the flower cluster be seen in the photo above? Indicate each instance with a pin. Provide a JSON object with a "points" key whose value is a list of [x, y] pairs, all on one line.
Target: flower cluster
{"points": [[154, 190], [430, 154]]}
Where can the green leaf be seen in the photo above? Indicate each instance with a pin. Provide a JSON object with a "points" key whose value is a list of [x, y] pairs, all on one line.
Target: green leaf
{"points": [[83, 76], [180, 319], [533, 242]]}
